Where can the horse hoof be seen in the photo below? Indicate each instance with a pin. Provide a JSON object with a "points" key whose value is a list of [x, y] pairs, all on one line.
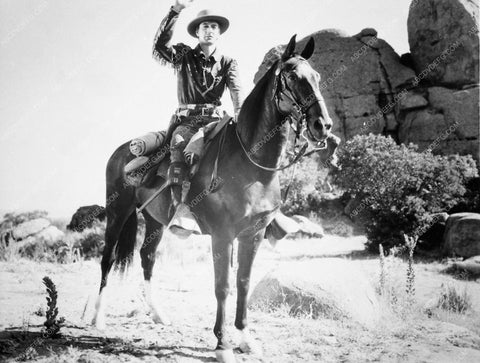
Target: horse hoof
{"points": [[225, 356], [251, 347], [99, 323]]}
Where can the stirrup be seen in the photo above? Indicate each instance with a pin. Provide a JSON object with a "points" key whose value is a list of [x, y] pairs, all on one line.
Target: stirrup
{"points": [[183, 223]]}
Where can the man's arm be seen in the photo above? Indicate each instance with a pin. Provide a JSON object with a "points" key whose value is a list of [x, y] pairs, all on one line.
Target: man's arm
{"points": [[235, 87], [162, 50]]}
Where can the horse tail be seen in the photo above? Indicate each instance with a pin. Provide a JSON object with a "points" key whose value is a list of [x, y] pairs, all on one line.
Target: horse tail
{"points": [[126, 243]]}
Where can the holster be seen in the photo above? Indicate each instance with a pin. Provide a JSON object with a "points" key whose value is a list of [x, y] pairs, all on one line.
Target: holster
{"points": [[177, 173]]}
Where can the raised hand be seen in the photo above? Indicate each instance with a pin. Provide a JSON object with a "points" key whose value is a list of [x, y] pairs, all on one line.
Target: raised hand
{"points": [[182, 4]]}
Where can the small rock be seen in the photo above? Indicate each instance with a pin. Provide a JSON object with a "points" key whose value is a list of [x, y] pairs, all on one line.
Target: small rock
{"points": [[471, 265], [308, 227], [330, 340], [133, 313]]}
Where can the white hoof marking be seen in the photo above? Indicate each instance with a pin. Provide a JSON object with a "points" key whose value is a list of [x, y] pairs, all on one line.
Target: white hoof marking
{"points": [[225, 356], [99, 317], [249, 345], [158, 316]]}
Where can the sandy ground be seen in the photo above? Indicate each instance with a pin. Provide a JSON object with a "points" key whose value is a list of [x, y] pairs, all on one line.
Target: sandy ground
{"points": [[183, 282]]}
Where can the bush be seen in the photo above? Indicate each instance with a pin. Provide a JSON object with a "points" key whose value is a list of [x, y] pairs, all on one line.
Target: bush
{"points": [[451, 300], [305, 191], [91, 245], [398, 188], [471, 200]]}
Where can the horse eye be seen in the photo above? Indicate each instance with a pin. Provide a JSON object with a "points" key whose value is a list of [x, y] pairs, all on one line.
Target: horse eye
{"points": [[292, 77]]}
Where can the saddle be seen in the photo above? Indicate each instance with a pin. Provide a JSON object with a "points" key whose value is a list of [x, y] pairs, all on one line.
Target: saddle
{"points": [[152, 152]]}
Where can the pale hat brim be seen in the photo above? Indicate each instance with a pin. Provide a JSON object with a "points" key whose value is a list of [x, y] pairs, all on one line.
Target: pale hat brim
{"points": [[223, 23]]}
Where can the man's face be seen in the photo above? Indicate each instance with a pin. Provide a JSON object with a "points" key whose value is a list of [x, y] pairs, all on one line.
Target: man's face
{"points": [[208, 32]]}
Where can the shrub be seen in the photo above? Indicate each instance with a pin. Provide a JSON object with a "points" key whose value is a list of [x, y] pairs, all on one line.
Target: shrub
{"points": [[304, 194], [398, 188], [52, 323], [471, 200], [451, 300], [91, 245]]}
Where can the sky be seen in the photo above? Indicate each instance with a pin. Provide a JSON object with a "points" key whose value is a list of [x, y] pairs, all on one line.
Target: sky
{"points": [[77, 80]]}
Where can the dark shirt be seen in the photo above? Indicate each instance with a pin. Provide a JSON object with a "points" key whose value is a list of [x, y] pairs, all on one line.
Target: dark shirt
{"points": [[200, 80]]}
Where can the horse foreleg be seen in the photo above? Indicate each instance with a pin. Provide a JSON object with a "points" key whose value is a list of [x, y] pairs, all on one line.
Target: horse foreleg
{"points": [[222, 250], [153, 235], [247, 249]]}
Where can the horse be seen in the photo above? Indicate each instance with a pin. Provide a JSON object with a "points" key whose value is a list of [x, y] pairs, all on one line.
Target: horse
{"points": [[244, 203]]}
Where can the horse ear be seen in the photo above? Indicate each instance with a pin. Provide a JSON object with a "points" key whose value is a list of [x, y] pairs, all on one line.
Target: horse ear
{"points": [[309, 48], [290, 49]]}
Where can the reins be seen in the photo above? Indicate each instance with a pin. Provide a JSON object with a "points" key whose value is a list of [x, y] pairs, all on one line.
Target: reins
{"points": [[297, 157], [298, 129]]}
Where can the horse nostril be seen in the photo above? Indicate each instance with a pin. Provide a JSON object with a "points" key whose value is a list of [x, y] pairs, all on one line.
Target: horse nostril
{"points": [[328, 126]]}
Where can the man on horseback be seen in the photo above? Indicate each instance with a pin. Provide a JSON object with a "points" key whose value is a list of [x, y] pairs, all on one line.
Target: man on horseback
{"points": [[202, 73]]}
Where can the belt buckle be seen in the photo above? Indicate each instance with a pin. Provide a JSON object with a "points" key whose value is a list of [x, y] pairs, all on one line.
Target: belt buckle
{"points": [[204, 110]]}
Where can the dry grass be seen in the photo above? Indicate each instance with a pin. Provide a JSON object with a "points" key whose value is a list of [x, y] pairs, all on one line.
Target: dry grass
{"points": [[452, 300]]}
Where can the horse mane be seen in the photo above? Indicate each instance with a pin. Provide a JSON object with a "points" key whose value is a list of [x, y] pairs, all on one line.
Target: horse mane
{"points": [[253, 104]]}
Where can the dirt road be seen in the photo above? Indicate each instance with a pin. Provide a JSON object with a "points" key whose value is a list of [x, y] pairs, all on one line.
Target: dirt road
{"points": [[183, 281]]}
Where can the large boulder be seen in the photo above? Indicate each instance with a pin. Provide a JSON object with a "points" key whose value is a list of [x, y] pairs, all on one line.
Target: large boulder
{"points": [[329, 288], [422, 127], [85, 216], [29, 228], [443, 38], [462, 235], [460, 111], [448, 125]]}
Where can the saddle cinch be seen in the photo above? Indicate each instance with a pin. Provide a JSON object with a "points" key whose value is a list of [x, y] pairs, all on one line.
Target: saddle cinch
{"points": [[152, 148]]}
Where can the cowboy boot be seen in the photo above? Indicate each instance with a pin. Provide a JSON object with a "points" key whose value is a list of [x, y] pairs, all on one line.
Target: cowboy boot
{"points": [[182, 221]]}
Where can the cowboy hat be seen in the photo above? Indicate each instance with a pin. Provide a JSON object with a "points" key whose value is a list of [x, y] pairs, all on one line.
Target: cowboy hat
{"points": [[207, 15]]}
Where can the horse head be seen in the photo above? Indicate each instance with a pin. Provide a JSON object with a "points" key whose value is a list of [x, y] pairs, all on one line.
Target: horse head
{"points": [[297, 92]]}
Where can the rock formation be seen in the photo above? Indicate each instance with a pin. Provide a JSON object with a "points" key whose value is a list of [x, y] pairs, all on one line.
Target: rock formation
{"points": [[35, 230], [429, 97]]}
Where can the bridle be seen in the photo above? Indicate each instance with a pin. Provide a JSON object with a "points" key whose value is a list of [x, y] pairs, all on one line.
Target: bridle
{"points": [[297, 122]]}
